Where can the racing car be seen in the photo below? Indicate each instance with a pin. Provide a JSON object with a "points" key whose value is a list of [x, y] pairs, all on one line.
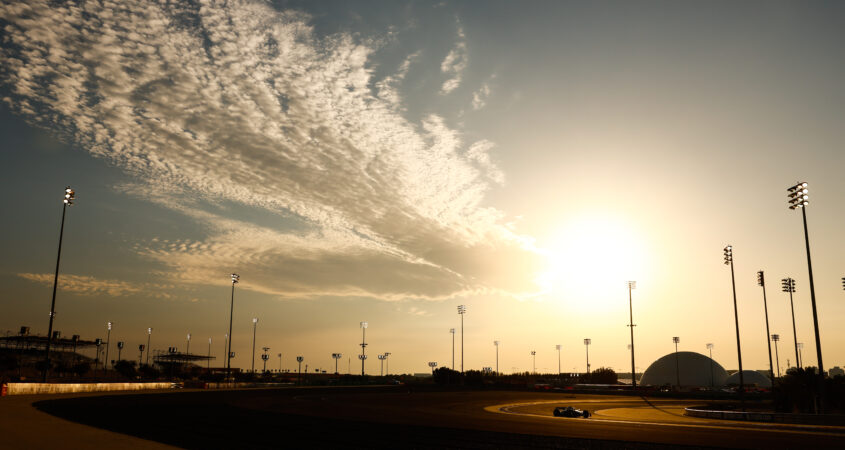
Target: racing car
{"points": [[568, 411]]}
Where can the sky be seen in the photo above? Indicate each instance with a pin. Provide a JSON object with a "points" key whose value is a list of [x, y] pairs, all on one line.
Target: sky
{"points": [[388, 161]]}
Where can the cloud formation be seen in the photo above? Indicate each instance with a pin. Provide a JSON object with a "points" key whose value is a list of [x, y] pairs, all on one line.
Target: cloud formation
{"points": [[91, 286], [236, 101], [455, 64]]}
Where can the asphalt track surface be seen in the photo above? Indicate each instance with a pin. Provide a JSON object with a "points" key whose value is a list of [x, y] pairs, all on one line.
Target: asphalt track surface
{"points": [[382, 417]]}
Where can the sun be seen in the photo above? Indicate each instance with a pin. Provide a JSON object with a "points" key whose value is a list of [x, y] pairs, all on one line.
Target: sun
{"points": [[589, 259]]}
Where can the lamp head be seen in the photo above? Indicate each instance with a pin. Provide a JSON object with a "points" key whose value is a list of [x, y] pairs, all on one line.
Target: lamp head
{"points": [[462, 309], [364, 324], [70, 196], [235, 278]]}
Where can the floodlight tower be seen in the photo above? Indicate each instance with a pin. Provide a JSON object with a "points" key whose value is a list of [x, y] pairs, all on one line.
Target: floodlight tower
{"points": [[452, 330], [70, 196], [280, 363], [775, 339], [208, 361], [108, 345], [265, 356], [432, 364], [254, 329], [676, 339], [632, 285], [336, 356], [788, 285], [149, 349], [800, 354], [462, 309], [496, 343], [761, 281], [534, 363], [387, 363], [729, 260], [557, 347], [381, 359], [710, 348], [299, 370], [799, 198], [188, 346], [587, 343], [235, 279], [363, 355]]}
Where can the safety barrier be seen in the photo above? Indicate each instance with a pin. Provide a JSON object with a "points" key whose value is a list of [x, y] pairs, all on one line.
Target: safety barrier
{"points": [[72, 388], [812, 419]]}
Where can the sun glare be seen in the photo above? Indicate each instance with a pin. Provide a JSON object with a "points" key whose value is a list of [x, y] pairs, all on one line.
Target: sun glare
{"points": [[588, 262]]}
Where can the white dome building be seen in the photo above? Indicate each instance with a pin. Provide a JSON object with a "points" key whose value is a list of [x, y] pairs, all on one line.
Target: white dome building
{"points": [[750, 377], [694, 369]]}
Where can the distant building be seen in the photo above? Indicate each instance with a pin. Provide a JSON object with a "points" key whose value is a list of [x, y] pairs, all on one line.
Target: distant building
{"points": [[693, 369]]}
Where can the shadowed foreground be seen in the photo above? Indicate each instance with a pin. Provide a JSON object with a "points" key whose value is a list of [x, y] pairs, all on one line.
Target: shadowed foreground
{"points": [[379, 418]]}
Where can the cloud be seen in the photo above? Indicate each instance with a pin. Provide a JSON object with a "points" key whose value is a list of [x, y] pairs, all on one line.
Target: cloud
{"points": [[214, 103], [455, 63], [479, 97], [90, 285]]}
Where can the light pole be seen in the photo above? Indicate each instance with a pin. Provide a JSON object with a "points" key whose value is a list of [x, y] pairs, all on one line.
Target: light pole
{"points": [[729, 260], [534, 363], [363, 355], [710, 348], [235, 279], [188, 346], [265, 356], [280, 363], [557, 347], [141, 348], [208, 361], [108, 345], [432, 364], [387, 363], [800, 354], [381, 359], [676, 339], [587, 343], [462, 309], [119, 349], [496, 343], [149, 349], [299, 370], [452, 330], [70, 196], [799, 198], [788, 285], [254, 328], [336, 356], [632, 285], [761, 281], [775, 339]]}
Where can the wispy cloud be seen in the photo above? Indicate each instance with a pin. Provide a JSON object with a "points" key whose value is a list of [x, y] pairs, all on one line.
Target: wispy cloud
{"points": [[235, 101], [90, 285], [455, 63], [479, 97]]}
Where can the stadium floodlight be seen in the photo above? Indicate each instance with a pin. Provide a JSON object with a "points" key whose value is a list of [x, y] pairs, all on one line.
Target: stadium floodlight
{"points": [[676, 339], [788, 286], [363, 355], [496, 343], [149, 349], [462, 309], [235, 279], [761, 281], [534, 362], [631, 286], [557, 347], [452, 331], [710, 348], [587, 343], [799, 198], [775, 339], [729, 260], [70, 196], [432, 364], [254, 329], [336, 356]]}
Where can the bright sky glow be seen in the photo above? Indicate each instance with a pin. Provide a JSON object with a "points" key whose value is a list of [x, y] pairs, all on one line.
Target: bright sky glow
{"points": [[388, 161]]}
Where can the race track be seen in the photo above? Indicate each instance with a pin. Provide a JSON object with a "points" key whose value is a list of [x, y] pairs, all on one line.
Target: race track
{"points": [[399, 417]]}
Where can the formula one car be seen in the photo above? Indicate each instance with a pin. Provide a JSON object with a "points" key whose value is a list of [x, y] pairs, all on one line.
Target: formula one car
{"points": [[568, 411]]}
